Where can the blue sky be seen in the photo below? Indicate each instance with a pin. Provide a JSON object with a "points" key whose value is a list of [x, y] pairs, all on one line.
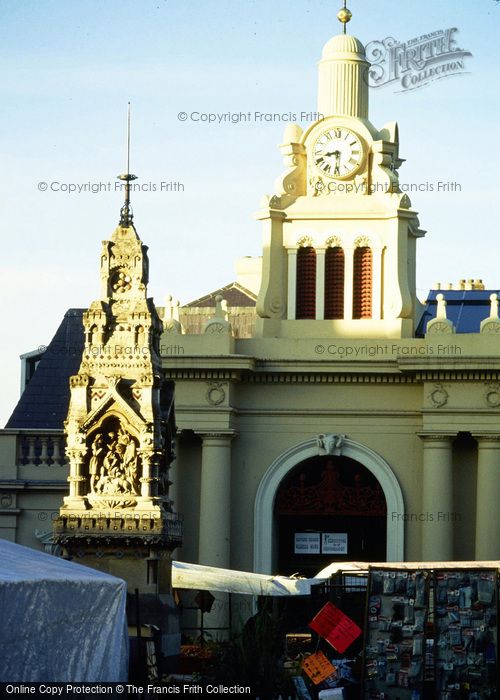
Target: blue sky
{"points": [[69, 69]]}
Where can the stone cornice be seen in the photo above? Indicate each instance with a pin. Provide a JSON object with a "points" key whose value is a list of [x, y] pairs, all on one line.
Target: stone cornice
{"points": [[449, 362], [189, 411], [336, 376], [464, 410], [483, 437], [441, 437], [218, 362], [31, 431], [350, 215], [328, 378], [39, 484], [313, 371], [202, 374], [215, 434], [477, 375]]}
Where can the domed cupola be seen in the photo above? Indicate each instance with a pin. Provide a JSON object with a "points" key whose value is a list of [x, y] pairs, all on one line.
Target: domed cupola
{"points": [[343, 75]]}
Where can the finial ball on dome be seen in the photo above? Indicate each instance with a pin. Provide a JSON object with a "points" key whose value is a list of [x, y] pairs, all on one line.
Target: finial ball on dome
{"points": [[344, 15]]}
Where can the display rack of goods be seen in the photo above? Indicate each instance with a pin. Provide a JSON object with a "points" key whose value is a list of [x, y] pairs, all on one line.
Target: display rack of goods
{"points": [[395, 628], [466, 631]]}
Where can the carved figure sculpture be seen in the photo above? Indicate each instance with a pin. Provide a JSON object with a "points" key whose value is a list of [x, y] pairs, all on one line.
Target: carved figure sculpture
{"points": [[118, 473], [95, 464]]}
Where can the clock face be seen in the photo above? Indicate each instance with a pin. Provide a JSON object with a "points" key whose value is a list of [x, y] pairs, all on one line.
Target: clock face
{"points": [[337, 152]]}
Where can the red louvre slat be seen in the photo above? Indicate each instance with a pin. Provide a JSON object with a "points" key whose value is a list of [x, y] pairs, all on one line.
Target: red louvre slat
{"points": [[306, 283], [334, 283], [362, 283]]}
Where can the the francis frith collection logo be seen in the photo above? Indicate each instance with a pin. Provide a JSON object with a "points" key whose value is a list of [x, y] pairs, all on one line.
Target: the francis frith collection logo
{"points": [[416, 62]]}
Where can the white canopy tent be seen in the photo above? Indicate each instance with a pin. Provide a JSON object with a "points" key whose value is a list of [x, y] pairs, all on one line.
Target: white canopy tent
{"points": [[59, 621], [209, 578], [332, 569]]}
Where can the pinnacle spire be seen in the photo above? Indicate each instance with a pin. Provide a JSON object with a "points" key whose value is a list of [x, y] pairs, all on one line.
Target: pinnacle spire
{"points": [[126, 213]]}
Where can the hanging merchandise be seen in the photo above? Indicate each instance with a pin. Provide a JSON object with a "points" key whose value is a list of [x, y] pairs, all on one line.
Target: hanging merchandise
{"points": [[336, 627], [466, 627], [395, 648], [318, 667]]}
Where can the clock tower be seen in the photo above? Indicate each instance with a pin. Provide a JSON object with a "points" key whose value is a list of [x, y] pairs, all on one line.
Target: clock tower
{"points": [[339, 234]]}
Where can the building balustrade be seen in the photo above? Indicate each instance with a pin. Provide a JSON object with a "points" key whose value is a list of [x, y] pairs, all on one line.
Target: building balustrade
{"points": [[41, 448]]}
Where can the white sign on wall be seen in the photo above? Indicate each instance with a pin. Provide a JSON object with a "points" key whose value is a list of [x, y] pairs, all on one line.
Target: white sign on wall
{"points": [[307, 543], [334, 543]]}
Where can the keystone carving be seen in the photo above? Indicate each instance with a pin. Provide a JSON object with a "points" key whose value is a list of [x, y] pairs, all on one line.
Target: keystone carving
{"points": [[330, 444]]}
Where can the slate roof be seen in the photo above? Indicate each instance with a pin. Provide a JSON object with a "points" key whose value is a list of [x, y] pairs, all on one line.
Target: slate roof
{"points": [[465, 308], [235, 295], [44, 402]]}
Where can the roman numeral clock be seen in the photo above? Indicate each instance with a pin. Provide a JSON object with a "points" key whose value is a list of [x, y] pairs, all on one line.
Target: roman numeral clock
{"points": [[339, 234], [337, 153]]}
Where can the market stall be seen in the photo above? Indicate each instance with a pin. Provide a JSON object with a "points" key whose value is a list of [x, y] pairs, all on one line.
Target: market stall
{"points": [[381, 631], [59, 621]]}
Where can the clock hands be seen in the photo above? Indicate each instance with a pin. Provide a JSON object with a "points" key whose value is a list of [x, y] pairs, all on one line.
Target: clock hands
{"points": [[337, 154], [337, 162]]}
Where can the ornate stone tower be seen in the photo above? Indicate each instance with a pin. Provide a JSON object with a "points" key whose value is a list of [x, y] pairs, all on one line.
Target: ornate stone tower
{"points": [[118, 516], [339, 234]]}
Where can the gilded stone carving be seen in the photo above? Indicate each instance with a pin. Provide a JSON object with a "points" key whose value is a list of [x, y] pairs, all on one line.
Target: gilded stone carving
{"points": [[116, 436], [333, 242], [304, 242], [118, 468], [362, 242]]}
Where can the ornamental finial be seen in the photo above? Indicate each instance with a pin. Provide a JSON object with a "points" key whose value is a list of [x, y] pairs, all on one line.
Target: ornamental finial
{"points": [[126, 214], [344, 16]]}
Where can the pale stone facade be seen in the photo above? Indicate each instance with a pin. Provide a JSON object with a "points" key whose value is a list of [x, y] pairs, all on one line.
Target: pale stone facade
{"points": [[362, 416], [345, 198], [416, 405]]}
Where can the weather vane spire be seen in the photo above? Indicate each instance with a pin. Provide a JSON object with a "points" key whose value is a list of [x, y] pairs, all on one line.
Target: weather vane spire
{"points": [[126, 214], [344, 16]]}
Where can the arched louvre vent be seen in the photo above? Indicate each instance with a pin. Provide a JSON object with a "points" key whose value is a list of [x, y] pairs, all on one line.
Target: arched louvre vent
{"points": [[306, 283], [362, 283], [334, 283]]}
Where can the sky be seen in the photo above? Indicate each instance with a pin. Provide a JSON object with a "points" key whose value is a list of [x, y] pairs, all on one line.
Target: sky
{"points": [[70, 68]]}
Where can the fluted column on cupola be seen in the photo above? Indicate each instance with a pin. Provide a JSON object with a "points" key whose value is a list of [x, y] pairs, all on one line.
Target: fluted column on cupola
{"points": [[343, 76]]}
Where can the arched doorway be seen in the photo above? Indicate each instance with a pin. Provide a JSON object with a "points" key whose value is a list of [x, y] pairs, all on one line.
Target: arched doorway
{"points": [[266, 535], [329, 508]]}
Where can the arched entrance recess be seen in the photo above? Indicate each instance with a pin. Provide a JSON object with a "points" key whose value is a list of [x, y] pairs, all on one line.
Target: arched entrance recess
{"points": [[265, 535]]}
